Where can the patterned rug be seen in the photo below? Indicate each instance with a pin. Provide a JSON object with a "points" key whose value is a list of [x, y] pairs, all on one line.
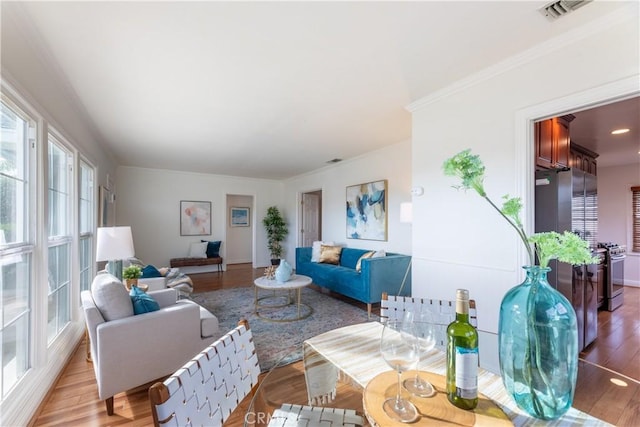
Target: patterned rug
{"points": [[277, 341]]}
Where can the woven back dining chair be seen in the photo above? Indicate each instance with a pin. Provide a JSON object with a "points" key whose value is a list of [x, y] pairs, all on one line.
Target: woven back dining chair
{"points": [[206, 390], [393, 307]]}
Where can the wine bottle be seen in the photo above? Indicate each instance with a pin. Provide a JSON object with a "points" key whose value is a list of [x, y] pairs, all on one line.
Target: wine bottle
{"points": [[462, 356]]}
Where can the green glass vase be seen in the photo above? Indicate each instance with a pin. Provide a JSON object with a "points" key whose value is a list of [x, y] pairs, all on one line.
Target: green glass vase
{"points": [[538, 344]]}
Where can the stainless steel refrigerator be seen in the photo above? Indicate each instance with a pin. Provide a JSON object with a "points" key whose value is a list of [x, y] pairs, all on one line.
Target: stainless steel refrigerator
{"points": [[567, 199]]}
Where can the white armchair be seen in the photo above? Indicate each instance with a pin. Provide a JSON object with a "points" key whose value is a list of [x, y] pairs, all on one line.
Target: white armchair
{"points": [[131, 350]]}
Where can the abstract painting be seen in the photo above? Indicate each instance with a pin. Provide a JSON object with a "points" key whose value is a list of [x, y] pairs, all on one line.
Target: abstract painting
{"points": [[367, 211], [195, 218], [239, 217]]}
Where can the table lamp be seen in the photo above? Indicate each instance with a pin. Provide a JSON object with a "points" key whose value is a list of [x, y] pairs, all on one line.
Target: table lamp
{"points": [[114, 245]]}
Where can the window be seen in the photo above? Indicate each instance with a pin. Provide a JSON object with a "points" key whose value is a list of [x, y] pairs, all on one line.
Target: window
{"points": [[47, 226], [59, 273], [86, 215], [635, 205], [16, 247]]}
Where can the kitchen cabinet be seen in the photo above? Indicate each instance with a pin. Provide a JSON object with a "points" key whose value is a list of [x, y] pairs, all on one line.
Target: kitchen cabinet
{"points": [[582, 158], [552, 142]]}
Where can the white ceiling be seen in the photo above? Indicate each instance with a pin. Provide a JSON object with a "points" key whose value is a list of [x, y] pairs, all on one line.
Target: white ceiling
{"points": [[269, 89], [592, 129]]}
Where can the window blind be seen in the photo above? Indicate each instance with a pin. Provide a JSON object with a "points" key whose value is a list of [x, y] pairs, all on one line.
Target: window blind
{"points": [[635, 206]]}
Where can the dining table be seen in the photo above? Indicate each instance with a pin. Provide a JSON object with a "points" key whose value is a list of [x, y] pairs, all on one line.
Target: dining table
{"points": [[343, 369]]}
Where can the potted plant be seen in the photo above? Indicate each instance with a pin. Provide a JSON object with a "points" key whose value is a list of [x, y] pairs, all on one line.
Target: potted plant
{"points": [[276, 232], [131, 275], [537, 332]]}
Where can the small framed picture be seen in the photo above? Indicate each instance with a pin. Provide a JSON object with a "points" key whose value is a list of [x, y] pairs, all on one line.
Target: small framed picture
{"points": [[195, 218], [239, 217]]}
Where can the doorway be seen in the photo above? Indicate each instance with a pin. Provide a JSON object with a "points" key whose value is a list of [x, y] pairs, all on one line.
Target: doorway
{"points": [[310, 218], [239, 235], [526, 158]]}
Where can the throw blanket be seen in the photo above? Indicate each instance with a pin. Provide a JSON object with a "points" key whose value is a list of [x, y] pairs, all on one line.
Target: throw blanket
{"points": [[179, 281], [175, 279]]}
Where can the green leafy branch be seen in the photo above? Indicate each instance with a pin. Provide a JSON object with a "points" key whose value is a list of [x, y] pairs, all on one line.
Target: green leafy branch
{"points": [[567, 247], [470, 169]]}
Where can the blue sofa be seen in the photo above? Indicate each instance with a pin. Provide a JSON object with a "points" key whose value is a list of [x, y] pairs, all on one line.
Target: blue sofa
{"points": [[378, 275]]}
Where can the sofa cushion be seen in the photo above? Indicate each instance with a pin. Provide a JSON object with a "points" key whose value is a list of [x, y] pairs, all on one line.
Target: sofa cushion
{"points": [[315, 250], [350, 256], [142, 302], [111, 297], [330, 254], [149, 271], [213, 248]]}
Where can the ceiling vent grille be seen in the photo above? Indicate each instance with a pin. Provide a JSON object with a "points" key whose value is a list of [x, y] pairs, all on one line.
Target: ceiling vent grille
{"points": [[560, 8]]}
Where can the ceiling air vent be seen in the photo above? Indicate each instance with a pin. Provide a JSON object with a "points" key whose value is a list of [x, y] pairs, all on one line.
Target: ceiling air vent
{"points": [[560, 8]]}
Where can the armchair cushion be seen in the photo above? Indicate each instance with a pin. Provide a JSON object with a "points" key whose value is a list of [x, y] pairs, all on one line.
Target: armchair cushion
{"points": [[142, 302], [111, 297], [208, 322]]}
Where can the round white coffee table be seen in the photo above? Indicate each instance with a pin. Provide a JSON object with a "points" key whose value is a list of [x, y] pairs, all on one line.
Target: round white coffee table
{"points": [[296, 283]]}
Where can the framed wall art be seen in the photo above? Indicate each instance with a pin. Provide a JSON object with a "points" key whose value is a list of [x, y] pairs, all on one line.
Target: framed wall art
{"points": [[367, 211], [239, 217], [195, 218]]}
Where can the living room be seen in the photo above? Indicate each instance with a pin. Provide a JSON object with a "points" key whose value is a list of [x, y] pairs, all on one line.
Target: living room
{"points": [[589, 57]]}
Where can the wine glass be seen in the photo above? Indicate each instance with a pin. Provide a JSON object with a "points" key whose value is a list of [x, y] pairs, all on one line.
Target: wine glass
{"points": [[398, 348], [424, 330]]}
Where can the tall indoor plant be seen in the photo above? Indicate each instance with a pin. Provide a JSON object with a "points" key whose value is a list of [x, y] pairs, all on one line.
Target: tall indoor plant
{"points": [[538, 338], [277, 230]]}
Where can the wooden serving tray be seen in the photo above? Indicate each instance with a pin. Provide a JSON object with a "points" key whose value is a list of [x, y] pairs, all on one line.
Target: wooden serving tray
{"points": [[435, 410]]}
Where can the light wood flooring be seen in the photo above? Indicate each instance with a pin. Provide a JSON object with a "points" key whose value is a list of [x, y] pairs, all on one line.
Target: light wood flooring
{"points": [[74, 399]]}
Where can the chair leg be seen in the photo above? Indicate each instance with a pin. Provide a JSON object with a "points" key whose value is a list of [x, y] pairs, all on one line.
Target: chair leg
{"points": [[109, 403], [369, 311]]}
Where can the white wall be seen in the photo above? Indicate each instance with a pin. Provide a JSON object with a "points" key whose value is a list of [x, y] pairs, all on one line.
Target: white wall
{"points": [[391, 163], [239, 239], [459, 240], [148, 200], [614, 213]]}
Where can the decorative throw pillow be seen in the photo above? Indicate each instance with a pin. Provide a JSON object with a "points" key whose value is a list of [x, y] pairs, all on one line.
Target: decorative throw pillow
{"points": [[379, 254], [315, 250], [364, 256], [142, 302], [150, 271], [213, 248], [198, 250], [330, 254], [111, 297]]}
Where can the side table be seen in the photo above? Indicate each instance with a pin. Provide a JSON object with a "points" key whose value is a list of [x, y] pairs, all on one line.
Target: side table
{"points": [[296, 283]]}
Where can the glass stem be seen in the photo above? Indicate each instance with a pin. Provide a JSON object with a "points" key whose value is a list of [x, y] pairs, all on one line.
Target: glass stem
{"points": [[398, 397]]}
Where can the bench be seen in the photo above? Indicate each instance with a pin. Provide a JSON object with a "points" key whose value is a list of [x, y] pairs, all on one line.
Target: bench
{"points": [[196, 265]]}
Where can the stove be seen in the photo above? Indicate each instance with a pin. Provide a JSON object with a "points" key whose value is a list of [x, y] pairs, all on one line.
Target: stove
{"points": [[613, 248], [614, 277]]}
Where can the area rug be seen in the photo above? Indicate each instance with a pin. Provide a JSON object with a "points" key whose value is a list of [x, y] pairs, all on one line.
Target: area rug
{"points": [[280, 342]]}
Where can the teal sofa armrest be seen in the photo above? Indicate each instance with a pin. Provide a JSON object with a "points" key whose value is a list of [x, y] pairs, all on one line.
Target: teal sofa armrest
{"points": [[385, 274]]}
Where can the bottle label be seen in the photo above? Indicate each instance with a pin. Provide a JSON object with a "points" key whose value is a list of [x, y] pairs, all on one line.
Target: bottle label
{"points": [[467, 372]]}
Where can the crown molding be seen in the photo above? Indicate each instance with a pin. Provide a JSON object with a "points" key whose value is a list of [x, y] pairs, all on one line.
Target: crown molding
{"points": [[560, 42]]}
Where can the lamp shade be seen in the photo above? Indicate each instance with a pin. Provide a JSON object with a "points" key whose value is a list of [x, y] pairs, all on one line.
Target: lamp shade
{"points": [[114, 243], [406, 212]]}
